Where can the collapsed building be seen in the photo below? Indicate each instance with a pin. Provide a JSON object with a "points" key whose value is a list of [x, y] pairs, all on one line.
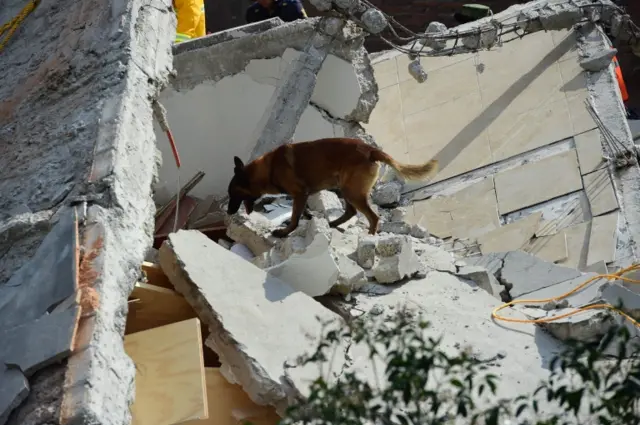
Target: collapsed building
{"points": [[536, 194]]}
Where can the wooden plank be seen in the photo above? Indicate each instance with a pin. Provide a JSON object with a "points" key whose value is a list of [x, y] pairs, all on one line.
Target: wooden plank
{"points": [[155, 275], [170, 376], [230, 405], [153, 306]]}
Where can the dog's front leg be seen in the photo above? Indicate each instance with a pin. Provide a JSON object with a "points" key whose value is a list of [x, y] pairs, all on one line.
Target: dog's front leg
{"points": [[299, 202]]}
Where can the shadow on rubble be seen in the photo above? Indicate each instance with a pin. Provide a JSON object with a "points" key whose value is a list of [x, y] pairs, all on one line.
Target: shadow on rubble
{"points": [[470, 132]]}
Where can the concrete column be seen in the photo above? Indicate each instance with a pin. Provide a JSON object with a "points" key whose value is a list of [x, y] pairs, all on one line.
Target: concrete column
{"points": [[292, 96]]}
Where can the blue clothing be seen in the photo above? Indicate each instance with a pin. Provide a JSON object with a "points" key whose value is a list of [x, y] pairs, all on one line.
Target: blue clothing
{"points": [[287, 10]]}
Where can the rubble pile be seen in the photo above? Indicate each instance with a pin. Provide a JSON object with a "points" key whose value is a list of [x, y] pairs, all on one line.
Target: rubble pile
{"points": [[317, 259]]}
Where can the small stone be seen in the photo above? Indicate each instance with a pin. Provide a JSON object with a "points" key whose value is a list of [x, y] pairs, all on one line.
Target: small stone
{"points": [[398, 214], [397, 227], [374, 21], [417, 231], [387, 193], [432, 240], [416, 70], [377, 309], [435, 29]]}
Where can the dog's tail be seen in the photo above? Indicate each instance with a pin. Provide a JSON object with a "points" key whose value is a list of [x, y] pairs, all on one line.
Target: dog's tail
{"points": [[407, 171]]}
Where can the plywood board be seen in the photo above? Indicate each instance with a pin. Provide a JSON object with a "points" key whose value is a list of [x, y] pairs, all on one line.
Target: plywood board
{"points": [[170, 378], [230, 405], [155, 275], [153, 306]]}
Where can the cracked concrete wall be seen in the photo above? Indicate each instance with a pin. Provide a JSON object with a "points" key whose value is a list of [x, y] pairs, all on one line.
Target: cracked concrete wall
{"points": [[75, 129], [519, 152], [225, 82]]}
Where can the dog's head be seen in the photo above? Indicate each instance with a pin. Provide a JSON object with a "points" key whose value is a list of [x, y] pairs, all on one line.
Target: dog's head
{"points": [[240, 189]]}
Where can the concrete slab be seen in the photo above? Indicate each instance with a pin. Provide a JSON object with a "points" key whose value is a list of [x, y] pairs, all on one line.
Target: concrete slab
{"points": [[617, 295], [602, 242], [602, 197], [510, 237], [524, 273], [47, 279], [467, 213], [14, 389], [245, 310], [586, 326], [549, 248], [40, 343], [589, 150], [536, 182], [580, 298]]}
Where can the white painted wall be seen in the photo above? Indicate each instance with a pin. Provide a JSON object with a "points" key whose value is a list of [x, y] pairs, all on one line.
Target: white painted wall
{"points": [[214, 121]]}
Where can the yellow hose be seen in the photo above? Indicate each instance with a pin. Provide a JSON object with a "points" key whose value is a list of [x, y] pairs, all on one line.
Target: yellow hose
{"points": [[11, 26], [615, 276]]}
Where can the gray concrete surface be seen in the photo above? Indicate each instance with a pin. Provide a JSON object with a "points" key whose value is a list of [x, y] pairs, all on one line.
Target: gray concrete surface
{"points": [[76, 129]]}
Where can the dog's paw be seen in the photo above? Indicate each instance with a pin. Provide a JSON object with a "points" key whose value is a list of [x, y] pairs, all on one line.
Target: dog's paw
{"points": [[280, 233]]}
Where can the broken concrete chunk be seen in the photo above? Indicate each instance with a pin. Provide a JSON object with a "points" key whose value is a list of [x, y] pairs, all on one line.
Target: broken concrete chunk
{"points": [[599, 60], [252, 230], [523, 273], [245, 307], [397, 259], [326, 203], [351, 276], [617, 295], [397, 227], [40, 343], [585, 326], [418, 231], [387, 193], [47, 279], [374, 20], [390, 245], [312, 271], [485, 280], [14, 389], [317, 226], [366, 251], [398, 214]]}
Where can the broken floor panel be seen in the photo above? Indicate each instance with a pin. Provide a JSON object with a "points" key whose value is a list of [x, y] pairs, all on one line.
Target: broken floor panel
{"points": [[258, 324]]}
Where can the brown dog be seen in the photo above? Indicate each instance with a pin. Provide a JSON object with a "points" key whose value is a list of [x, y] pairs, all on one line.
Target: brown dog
{"points": [[301, 169]]}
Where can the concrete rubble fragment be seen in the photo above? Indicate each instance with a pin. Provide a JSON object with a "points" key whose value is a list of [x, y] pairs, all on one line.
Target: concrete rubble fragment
{"points": [[598, 61], [396, 259], [252, 230], [326, 203], [387, 193], [485, 280], [213, 280]]}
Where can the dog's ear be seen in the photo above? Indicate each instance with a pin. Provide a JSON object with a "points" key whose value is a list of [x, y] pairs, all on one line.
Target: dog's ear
{"points": [[239, 165]]}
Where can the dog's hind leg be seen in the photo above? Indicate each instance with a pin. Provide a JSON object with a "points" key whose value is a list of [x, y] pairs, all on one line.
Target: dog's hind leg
{"points": [[349, 212], [299, 202], [362, 205], [356, 192]]}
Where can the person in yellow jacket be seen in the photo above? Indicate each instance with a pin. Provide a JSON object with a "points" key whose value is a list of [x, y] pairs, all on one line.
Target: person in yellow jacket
{"points": [[191, 20]]}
